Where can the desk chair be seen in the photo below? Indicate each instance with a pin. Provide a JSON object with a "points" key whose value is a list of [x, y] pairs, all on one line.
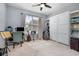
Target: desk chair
{"points": [[17, 38]]}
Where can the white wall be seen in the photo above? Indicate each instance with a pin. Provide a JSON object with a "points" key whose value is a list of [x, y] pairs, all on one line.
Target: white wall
{"points": [[60, 28], [14, 18], [2, 16], [41, 28], [2, 22]]}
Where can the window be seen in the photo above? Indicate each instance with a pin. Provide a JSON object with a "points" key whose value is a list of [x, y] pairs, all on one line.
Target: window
{"points": [[31, 23], [35, 20], [28, 20]]}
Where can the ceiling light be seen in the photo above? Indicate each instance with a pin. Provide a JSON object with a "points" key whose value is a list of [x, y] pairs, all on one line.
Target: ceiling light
{"points": [[42, 5]]}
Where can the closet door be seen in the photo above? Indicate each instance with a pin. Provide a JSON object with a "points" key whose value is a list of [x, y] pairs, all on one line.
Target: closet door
{"points": [[53, 27], [59, 28], [63, 28]]}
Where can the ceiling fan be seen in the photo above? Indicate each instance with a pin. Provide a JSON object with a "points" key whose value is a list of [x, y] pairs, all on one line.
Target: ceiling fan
{"points": [[42, 5]]}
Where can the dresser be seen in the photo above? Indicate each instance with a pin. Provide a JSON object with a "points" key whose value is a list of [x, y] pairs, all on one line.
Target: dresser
{"points": [[74, 43]]}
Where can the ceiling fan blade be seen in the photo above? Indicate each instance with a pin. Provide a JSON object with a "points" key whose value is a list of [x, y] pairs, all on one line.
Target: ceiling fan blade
{"points": [[41, 8], [36, 5], [48, 6]]}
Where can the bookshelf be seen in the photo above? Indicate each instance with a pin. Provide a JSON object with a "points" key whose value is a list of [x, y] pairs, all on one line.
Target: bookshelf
{"points": [[74, 24]]}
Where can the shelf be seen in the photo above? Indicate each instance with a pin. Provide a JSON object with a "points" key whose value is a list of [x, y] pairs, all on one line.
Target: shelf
{"points": [[75, 17], [74, 30], [74, 22]]}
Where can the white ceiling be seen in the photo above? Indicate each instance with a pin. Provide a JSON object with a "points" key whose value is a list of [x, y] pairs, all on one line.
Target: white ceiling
{"points": [[56, 7]]}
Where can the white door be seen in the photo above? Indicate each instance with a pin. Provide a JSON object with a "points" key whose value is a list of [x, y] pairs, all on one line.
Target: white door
{"points": [[59, 28], [53, 28], [63, 28]]}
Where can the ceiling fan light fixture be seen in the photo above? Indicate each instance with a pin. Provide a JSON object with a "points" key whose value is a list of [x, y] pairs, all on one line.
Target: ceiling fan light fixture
{"points": [[42, 5]]}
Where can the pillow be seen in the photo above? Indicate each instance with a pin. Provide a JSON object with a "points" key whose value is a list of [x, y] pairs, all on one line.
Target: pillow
{"points": [[5, 35]]}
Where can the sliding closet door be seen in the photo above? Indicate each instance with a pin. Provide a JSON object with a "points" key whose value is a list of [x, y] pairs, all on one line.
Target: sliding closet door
{"points": [[59, 28], [63, 28], [53, 28]]}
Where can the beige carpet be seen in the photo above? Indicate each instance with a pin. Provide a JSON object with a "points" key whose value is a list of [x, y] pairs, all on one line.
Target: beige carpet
{"points": [[42, 48]]}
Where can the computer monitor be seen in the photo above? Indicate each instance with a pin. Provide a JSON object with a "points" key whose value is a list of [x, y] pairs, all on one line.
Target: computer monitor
{"points": [[20, 29]]}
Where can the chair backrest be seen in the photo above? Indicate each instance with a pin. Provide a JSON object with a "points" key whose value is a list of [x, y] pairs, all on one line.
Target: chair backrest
{"points": [[9, 29], [17, 36]]}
